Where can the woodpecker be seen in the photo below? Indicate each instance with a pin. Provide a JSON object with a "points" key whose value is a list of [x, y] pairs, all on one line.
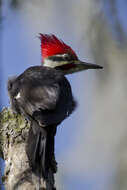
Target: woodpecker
{"points": [[43, 95]]}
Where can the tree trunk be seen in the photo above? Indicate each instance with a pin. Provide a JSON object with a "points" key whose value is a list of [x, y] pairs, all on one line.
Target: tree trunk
{"points": [[18, 174]]}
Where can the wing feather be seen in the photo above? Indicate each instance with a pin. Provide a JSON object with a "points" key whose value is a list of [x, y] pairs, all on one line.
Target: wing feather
{"points": [[41, 96]]}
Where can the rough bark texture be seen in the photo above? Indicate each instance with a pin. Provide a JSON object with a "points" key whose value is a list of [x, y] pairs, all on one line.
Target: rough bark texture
{"points": [[13, 136]]}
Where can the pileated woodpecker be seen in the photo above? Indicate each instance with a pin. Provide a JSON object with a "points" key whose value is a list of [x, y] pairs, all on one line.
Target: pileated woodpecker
{"points": [[43, 95]]}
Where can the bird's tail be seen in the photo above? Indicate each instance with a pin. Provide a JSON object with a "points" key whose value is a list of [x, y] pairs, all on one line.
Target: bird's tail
{"points": [[40, 149]]}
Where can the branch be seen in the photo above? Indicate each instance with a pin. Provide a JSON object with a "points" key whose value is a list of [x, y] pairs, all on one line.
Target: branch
{"points": [[18, 175]]}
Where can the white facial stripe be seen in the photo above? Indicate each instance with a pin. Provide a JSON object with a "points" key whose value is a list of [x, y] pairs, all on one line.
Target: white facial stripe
{"points": [[18, 96], [61, 55], [53, 64]]}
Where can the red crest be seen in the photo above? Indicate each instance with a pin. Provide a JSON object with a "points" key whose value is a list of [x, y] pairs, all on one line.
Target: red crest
{"points": [[51, 45]]}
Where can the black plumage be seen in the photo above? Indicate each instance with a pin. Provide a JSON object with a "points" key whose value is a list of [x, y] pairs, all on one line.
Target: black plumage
{"points": [[43, 95]]}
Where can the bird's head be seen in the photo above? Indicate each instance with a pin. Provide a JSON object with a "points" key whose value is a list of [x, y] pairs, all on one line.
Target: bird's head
{"points": [[57, 54]]}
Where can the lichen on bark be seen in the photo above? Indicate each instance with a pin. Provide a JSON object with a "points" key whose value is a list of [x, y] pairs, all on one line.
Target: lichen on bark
{"points": [[18, 175]]}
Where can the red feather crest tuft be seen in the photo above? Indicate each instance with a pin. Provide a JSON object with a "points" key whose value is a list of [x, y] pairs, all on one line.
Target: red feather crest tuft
{"points": [[51, 45]]}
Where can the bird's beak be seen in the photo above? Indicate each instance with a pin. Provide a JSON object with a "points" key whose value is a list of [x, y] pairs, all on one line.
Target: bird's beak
{"points": [[80, 66]]}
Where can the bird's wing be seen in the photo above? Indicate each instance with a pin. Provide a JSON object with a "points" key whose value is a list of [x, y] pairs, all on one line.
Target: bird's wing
{"points": [[43, 97]]}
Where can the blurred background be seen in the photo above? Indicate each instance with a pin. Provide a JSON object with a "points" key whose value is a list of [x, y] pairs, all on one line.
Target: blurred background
{"points": [[91, 145]]}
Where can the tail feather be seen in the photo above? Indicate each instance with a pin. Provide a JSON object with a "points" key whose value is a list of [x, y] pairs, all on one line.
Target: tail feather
{"points": [[40, 149]]}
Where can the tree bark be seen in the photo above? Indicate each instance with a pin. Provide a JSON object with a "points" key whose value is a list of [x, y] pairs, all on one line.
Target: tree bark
{"points": [[18, 175]]}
